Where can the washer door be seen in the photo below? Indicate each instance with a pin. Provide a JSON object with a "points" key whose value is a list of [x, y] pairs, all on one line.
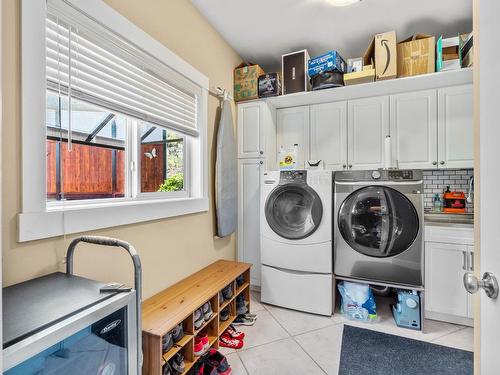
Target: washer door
{"points": [[378, 221], [293, 211]]}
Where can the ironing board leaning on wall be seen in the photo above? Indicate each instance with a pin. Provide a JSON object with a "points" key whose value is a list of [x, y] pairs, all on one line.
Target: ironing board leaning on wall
{"points": [[226, 183]]}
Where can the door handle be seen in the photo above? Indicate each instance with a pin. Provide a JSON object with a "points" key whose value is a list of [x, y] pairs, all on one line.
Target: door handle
{"points": [[465, 261], [489, 283]]}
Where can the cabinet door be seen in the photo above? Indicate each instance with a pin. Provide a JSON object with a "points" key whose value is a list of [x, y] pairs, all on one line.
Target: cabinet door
{"points": [[413, 122], [368, 125], [455, 127], [328, 134], [293, 128], [444, 269], [250, 130], [249, 178]]}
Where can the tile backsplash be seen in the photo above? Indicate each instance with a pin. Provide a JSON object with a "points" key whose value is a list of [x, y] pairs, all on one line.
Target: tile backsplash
{"points": [[436, 181]]}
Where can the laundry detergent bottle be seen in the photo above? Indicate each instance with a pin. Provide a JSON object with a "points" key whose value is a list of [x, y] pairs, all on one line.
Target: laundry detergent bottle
{"points": [[288, 158]]}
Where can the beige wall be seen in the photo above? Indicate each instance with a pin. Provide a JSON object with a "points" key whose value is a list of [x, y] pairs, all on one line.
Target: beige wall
{"points": [[169, 249]]}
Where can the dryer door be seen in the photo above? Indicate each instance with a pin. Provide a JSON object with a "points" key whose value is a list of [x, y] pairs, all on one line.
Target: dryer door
{"points": [[378, 221], [293, 211]]}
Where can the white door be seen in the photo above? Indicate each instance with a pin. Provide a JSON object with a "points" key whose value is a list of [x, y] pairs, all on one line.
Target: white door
{"points": [[445, 265], [249, 130], [293, 128], [368, 125], [414, 130], [328, 134], [250, 171], [455, 127], [487, 148]]}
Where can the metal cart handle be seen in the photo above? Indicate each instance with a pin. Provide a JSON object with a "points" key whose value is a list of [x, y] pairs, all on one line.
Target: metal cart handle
{"points": [[107, 241]]}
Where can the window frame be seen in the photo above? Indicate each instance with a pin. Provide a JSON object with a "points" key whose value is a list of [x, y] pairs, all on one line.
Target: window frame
{"points": [[38, 219]]}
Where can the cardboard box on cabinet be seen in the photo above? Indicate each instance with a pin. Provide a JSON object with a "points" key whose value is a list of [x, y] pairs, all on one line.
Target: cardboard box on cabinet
{"points": [[417, 55], [294, 72], [382, 54], [269, 85], [327, 62], [466, 50], [447, 54], [246, 77]]}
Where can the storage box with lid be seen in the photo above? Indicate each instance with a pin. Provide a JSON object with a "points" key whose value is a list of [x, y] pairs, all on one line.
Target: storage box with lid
{"points": [[246, 76], [417, 55], [294, 72], [453, 201]]}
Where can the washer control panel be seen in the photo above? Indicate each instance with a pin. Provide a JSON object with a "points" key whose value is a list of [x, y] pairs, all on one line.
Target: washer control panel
{"points": [[401, 175], [287, 177]]}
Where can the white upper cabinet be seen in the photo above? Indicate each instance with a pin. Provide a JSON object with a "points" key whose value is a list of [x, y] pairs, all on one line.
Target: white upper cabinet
{"points": [[293, 128], [455, 127], [328, 134], [249, 130], [256, 131], [368, 125], [413, 123]]}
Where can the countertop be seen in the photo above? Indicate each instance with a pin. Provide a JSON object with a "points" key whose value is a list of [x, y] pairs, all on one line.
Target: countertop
{"points": [[34, 305], [448, 219]]}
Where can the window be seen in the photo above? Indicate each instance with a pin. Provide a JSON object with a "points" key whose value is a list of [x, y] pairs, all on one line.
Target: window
{"points": [[93, 166], [92, 162], [162, 160], [125, 122]]}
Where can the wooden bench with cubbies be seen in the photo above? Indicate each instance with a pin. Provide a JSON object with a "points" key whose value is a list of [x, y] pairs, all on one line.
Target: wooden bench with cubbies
{"points": [[178, 304]]}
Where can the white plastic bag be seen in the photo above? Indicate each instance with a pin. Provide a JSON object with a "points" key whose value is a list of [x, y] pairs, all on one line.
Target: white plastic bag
{"points": [[357, 301]]}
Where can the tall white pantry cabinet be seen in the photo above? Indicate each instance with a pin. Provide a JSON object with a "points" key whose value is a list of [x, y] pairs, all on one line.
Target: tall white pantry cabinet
{"points": [[256, 133]]}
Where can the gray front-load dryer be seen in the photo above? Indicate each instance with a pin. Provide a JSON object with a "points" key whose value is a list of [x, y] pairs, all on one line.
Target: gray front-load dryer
{"points": [[378, 226]]}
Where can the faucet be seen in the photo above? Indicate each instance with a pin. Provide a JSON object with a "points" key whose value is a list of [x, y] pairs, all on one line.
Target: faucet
{"points": [[471, 189]]}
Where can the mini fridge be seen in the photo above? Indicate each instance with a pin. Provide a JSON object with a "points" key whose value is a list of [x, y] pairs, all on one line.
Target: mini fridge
{"points": [[64, 324]]}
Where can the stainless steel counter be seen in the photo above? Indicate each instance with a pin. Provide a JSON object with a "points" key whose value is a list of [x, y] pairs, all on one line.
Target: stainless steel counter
{"points": [[447, 219]]}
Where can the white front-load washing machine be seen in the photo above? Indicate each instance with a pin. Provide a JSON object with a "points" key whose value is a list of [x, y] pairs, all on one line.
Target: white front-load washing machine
{"points": [[296, 240]]}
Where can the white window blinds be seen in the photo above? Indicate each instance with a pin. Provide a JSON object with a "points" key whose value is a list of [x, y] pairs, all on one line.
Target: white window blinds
{"points": [[87, 61]]}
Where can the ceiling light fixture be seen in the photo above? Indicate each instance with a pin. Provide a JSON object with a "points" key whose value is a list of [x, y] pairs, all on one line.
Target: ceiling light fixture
{"points": [[343, 3]]}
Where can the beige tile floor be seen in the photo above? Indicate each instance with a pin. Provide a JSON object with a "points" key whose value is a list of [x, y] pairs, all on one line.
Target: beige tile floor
{"points": [[290, 342]]}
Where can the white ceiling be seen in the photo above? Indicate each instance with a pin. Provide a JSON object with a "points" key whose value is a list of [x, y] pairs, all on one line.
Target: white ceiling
{"points": [[262, 30]]}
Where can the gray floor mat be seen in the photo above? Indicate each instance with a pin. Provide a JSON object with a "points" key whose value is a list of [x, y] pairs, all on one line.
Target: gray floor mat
{"points": [[369, 352]]}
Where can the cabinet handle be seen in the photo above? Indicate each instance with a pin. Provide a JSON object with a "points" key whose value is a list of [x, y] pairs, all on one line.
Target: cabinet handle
{"points": [[261, 162], [441, 162], [434, 163], [465, 260], [471, 264], [344, 166], [350, 166], [262, 152]]}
